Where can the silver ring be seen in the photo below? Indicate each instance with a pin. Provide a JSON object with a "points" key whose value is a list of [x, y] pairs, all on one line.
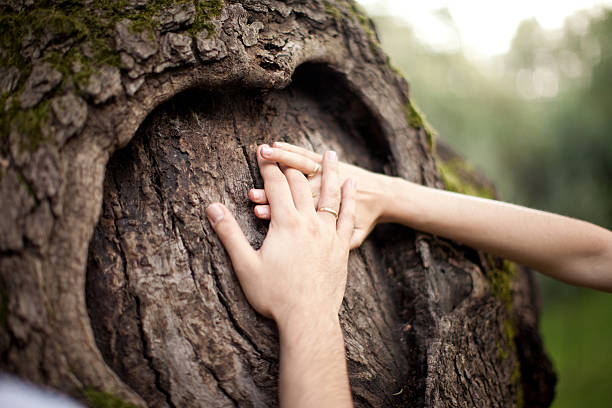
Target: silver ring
{"points": [[330, 211], [315, 170]]}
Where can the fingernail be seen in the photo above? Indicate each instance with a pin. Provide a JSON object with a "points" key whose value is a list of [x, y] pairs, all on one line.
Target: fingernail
{"points": [[278, 144], [331, 155], [262, 211], [266, 151], [214, 213], [257, 195]]}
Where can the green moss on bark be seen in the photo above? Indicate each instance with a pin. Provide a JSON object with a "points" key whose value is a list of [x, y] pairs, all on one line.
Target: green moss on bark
{"points": [[101, 399], [500, 275], [205, 11], [77, 41], [73, 21], [501, 279], [453, 176], [331, 10], [351, 9], [367, 26], [416, 119], [29, 123]]}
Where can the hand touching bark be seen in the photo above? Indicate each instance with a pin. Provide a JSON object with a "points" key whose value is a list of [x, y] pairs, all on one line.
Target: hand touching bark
{"points": [[276, 279], [567, 249], [298, 278], [368, 204]]}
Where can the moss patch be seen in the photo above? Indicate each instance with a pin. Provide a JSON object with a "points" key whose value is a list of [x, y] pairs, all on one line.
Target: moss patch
{"points": [[101, 399], [413, 115], [205, 11], [363, 19], [75, 22], [416, 119], [456, 176], [500, 278], [500, 275], [29, 122], [331, 10], [77, 41], [366, 25], [353, 10]]}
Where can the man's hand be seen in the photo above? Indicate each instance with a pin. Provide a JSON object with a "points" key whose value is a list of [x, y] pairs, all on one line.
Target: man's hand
{"points": [[301, 266], [298, 278]]}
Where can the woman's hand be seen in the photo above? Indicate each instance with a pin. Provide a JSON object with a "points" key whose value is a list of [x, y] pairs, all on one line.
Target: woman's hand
{"points": [[369, 207], [301, 268]]}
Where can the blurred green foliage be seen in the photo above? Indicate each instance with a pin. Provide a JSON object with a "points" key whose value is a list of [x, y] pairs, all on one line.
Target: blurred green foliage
{"points": [[577, 331], [538, 122]]}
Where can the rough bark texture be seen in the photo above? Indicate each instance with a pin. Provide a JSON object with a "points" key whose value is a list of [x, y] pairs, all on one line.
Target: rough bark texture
{"points": [[121, 121]]}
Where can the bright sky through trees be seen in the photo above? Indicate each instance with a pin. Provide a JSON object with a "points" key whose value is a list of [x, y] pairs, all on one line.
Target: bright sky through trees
{"points": [[481, 27]]}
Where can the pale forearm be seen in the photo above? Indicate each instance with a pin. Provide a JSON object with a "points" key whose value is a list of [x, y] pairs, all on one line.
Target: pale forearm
{"points": [[574, 251], [567, 249], [313, 369]]}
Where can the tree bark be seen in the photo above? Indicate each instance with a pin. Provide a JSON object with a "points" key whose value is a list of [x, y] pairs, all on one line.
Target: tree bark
{"points": [[120, 125]]}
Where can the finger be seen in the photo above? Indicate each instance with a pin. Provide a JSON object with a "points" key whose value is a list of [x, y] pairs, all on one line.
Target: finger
{"points": [[346, 219], [240, 251], [300, 190], [262, 212], [291, 159], [330, 192], [357, 238], [258, 196], [299, 150], [275, 186]]}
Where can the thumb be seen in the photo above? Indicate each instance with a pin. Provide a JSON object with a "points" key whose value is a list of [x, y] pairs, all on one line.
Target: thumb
{"points": [[240, 251]]}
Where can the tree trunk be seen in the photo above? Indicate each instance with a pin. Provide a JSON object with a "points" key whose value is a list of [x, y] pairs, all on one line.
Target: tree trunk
{"points": [[121, 122]]}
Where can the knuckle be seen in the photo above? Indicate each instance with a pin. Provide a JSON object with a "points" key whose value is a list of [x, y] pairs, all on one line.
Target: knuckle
{"points": [[294, 223], [308, 163], [223, 229], [313, 228], [332, 191]]}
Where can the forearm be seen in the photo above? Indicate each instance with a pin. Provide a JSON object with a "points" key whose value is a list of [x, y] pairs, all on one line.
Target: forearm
{"points": [[313, 369], [574, 251]]}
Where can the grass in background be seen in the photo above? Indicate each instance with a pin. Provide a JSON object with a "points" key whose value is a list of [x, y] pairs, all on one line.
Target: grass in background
{"points": [[576, 326]]}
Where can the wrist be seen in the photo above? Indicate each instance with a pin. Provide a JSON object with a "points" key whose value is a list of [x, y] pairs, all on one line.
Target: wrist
{"points": [[298, 324], [304, 332], [316, 338], [374, 195], [400, 201], [313, 370], [391, 189]]}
